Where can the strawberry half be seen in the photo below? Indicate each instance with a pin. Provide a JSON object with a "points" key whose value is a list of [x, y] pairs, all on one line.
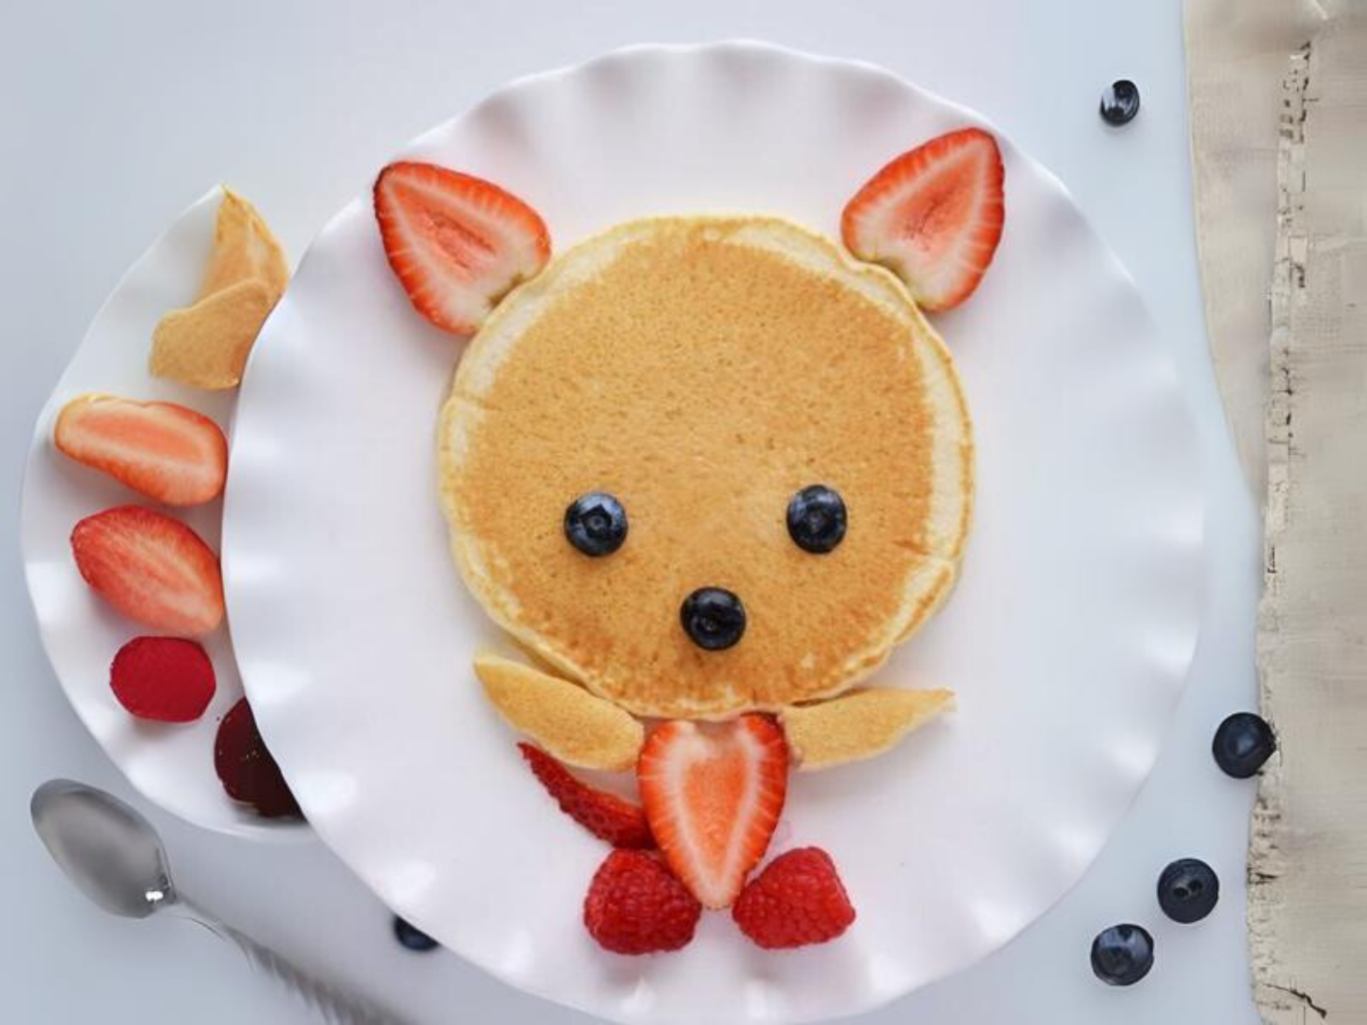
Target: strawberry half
{"points": [[933, 216], [151, 568], [605, 815], [457, 243], [713, 794], [159, 449]]}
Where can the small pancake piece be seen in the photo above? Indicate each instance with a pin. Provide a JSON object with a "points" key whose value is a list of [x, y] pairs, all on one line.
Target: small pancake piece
{"points": [[703, 371], [206, 345], [858, 725], [564, 719], [244, 248]]}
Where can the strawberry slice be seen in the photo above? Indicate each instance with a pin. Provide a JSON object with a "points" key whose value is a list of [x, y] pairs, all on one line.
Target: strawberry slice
{"points": [[159, 449], [712, 795], [151, 568], [933, 216], [457, 243], [605, 815]]}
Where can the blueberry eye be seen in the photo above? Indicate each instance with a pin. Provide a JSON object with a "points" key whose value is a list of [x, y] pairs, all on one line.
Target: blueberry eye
{"points": [[596, 523], [816, 519]]}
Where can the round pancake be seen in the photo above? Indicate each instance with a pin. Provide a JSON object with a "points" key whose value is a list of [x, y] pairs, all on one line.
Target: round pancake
{"points": [[703, 370]]}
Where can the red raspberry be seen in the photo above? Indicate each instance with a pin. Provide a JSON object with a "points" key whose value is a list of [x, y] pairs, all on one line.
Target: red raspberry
{"points": [[635, 906], [163, 678], [606, 816], [798, 899]]}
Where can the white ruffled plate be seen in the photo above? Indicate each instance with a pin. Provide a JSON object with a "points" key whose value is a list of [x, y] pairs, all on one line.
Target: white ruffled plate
{"points": [[1068, 639], [171, 764]]}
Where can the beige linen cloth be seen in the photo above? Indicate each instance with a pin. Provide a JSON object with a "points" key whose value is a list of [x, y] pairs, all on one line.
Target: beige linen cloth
{"points": [[1279, 148]]}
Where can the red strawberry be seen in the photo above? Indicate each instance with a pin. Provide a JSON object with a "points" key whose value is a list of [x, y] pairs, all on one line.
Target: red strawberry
{"points": [[634, 906], [606, 816], [797, 900], [713, 794], [932, 215], [457, 243], [246, 769], [167, 452], [163, 678], [151, 568]]}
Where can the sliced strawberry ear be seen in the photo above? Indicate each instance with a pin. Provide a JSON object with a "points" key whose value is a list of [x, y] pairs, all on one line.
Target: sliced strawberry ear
{"points": [[457, 243], [933, 216]]}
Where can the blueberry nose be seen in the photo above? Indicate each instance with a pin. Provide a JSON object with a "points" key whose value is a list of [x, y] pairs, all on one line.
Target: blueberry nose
{"points": [[713, 618]]}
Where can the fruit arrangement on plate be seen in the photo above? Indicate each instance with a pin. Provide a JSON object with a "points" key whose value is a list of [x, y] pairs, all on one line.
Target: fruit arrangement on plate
{"points": [[632, 498], [705, 476], [729, 323], [145, 563]]}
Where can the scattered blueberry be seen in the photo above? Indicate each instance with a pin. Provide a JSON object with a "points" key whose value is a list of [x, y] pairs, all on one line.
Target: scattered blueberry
{"points": [[1188, 890], [596, 523], [1242, 744], [713, 618], [412, 937], [1122, 954], [816, 519], [1120, 102]]}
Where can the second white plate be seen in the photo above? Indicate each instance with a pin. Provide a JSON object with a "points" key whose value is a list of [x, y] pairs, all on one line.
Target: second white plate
{"points": [[1068, 639]]}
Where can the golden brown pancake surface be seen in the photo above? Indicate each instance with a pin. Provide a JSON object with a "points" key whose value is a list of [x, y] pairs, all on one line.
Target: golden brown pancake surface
{"points": [[703, 370]]}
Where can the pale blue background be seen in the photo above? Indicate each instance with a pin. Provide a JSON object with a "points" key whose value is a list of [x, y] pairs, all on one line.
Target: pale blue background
{"points": [[113, 117]]}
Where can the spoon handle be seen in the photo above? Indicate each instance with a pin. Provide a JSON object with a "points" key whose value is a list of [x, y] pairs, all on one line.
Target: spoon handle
{"points": [[332, 1005]]}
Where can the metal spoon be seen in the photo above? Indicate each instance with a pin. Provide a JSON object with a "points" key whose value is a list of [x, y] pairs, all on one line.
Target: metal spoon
{"points": [[115, 857]]}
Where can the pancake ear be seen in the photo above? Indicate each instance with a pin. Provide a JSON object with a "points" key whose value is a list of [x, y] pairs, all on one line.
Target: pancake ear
{"points": [[564, 719], [858, 725]]}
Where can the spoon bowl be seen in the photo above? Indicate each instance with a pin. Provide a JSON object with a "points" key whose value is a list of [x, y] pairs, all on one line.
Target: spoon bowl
{"points": [[116, 858], [112, 854]]}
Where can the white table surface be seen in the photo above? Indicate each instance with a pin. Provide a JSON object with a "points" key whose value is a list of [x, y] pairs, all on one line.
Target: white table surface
{"points": [[116, 116]]}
